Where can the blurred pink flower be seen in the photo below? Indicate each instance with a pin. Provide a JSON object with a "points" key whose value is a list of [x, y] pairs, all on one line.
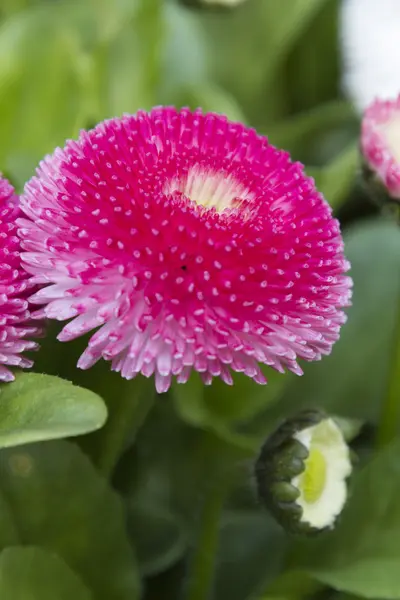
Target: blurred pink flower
{"points": [[191, 242], [380, 142], [15, 287]]}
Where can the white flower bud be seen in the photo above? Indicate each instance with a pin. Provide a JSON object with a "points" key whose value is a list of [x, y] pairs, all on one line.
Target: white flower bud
{"points": [[302, 471]]}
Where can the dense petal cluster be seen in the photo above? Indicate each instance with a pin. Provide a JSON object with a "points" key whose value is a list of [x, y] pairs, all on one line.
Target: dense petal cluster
{"points": [[190, 242], [380, 142], [15, 322]]}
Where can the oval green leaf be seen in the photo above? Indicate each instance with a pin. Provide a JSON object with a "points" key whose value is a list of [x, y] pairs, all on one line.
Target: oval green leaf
{"points": [[42, 407], [60, 502], [38, 574]]}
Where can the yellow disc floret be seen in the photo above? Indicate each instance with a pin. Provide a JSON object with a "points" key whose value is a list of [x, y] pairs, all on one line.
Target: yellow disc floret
{"points": [[312, 482]]}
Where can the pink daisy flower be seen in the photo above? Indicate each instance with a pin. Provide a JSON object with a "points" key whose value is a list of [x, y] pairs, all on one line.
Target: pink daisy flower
{"points": [[15, 322], [190, 242], [380, 142]]}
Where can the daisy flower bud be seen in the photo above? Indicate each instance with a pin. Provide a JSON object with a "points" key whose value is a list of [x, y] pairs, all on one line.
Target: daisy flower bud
{"points": [[190, 243], [15, 323], [301, 473], [380, 146]]}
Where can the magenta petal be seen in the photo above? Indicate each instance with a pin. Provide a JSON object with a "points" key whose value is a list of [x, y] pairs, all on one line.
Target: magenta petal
{"points": [[15, 288]]}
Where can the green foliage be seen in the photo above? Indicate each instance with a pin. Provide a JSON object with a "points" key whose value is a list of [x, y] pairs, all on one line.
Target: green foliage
{"points": [[117, 514], [362, 555], [35, 573], [340, 383], [336, 179], [55, 499], [40, 407], [41, 88], [67, 64], [160, 537], [223, 409], [247, 537]]}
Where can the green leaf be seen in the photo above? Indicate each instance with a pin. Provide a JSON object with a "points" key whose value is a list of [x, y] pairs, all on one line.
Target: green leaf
{"points": [[342, 596], [41, 407], [127, 401], [361, 556], [201, 405], [10, 6], [182, 30], [247, 46], [353, 380], [314, 63], [127, 415], [210, 98], [41, 88], [292, 585], [222, 408], [129, 63], [9, 535], [112, 15], [37, 574], [159, 536], [337, 178], [60, 502], [246, 561], [350, 428], [174, 472], [297, 132], [286, 22]]}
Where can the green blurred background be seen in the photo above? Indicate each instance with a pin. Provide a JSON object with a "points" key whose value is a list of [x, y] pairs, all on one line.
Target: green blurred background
{"points": [[67, 65], [274, 65]]}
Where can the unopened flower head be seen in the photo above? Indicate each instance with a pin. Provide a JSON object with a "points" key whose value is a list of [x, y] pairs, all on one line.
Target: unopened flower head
{"points": [[302, 471], [191, 243], [380, 143], [16, 326]]}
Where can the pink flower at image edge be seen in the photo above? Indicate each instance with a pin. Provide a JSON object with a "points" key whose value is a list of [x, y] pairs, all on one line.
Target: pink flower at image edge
{"points": [[15, 320], [380, 134], [190, 243]]}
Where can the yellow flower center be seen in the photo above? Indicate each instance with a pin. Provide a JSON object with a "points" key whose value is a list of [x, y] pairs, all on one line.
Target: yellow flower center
{"points": [[209, 189], [312, 481]]}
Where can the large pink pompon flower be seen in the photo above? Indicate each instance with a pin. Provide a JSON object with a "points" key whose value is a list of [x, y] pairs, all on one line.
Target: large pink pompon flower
{"points": [[190, 242], [380, 143], [15, 321]]}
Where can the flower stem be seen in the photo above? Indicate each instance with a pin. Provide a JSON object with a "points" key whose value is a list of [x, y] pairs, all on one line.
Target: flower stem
{"points": [[389, 421], [203, 562], [124, 423]]}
